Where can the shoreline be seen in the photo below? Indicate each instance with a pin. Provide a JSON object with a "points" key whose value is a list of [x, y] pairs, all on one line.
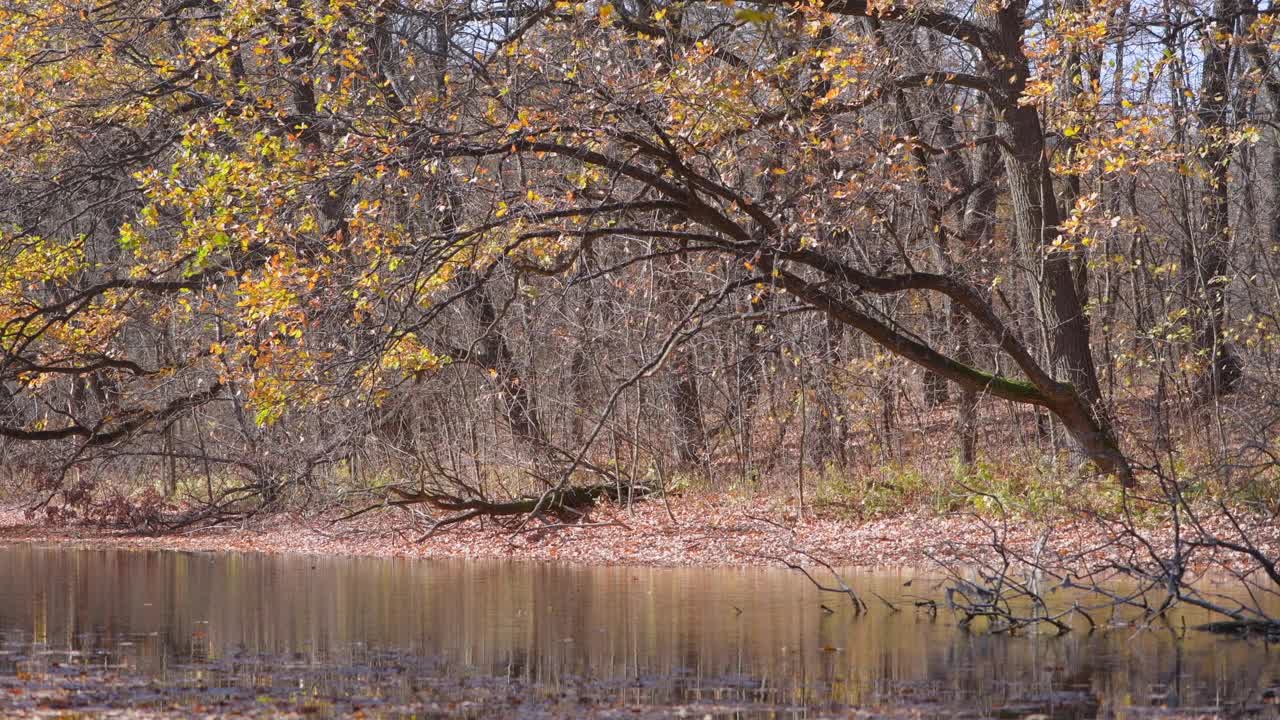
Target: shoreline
{"points": [[698, 531], [705, 532]]}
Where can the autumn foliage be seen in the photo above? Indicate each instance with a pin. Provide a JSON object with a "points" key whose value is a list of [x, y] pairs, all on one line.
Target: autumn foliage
{"points": [[260, 250]]}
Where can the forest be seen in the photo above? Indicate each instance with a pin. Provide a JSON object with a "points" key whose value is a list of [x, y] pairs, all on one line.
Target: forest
{"points": [[501, 258]]}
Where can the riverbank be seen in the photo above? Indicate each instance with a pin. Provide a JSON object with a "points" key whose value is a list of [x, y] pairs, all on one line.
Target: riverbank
{"points": [[700, 531], [703, 530]]}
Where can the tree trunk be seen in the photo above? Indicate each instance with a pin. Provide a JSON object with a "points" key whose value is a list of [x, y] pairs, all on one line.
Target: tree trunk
{"points": [[830, 429], [1206, 256], [517, 400], [690, 432], [1060, 305], [977, 223], [936, 393]]}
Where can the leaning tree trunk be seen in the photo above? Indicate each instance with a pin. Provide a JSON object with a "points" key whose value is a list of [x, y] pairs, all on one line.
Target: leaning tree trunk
{"points": [[1059, 303]]}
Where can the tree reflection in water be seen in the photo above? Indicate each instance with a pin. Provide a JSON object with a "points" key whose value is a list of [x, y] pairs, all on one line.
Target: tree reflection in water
{"points": [[401, 630]]}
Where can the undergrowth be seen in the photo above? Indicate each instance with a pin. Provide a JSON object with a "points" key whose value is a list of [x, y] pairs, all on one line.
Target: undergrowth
{"points": [[1032, 491], [1038, 488]]}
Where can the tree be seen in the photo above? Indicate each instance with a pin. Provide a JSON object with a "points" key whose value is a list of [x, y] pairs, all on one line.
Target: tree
{"points": [[317, 206]]}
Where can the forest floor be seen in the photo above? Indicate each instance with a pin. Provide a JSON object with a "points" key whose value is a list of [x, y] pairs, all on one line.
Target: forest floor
{"points": [[693, 530]]}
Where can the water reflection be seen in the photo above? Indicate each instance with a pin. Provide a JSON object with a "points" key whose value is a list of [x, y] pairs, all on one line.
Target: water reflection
{"points": [[649, 635]]}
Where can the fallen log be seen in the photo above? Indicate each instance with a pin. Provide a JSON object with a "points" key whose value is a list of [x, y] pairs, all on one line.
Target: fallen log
{"points": [[570, 498], [567, 505]]}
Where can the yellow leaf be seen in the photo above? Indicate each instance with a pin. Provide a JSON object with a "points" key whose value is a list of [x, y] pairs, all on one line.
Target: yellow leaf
{"points": [[757, 17]]}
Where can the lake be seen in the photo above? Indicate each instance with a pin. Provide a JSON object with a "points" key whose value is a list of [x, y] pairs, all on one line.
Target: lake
{"points": [[85, 631]]}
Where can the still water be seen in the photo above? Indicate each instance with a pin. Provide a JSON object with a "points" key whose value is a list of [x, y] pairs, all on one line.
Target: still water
{"points": [[750, 640]]}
